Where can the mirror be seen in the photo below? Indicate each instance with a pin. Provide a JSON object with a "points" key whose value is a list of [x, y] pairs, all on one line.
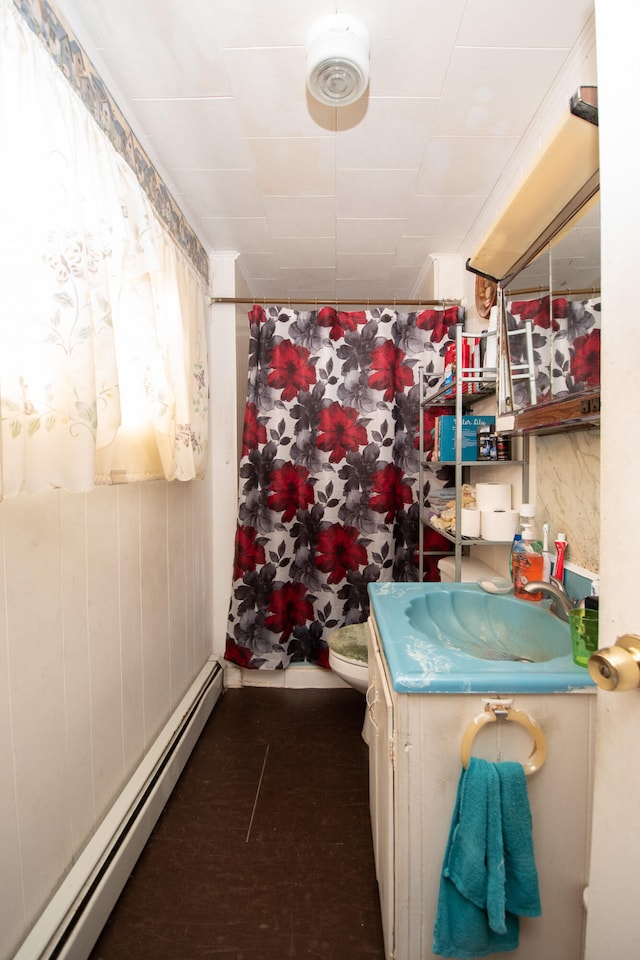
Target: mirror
{"points": [[551, 310]]}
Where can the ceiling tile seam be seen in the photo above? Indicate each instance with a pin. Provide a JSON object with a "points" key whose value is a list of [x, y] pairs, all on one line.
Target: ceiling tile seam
{"points": [[298, 196], [401, 96], [330, 138], [211, 96], [212, 169], [450, 196], [428, 236], [470, 136], [379, 169], [297, 236], [262, 46], [497, 46]]}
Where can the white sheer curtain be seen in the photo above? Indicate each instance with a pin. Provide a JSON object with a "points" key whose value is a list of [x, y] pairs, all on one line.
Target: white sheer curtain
{"points": [[103, 372]]}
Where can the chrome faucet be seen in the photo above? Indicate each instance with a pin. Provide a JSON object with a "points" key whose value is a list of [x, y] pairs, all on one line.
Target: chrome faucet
{"points": [[562, 602]]}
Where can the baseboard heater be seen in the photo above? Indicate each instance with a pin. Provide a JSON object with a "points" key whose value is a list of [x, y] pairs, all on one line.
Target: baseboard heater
{"points": [[71, 923]]}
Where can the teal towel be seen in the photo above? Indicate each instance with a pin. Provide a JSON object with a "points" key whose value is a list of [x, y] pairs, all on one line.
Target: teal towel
{"points": [[489, 877]]}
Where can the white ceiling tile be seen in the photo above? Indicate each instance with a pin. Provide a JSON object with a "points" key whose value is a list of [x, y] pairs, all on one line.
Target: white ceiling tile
{"points": [[192, 134], [414, 251], [371, 293], [494, 92], [463, 165], [368, 236], [316, 252], [301, 216], [269, 289], [129, 36], [392, 134], [295, 167], [442, 216], [453, 87], [260, 265], [500, 23], [249, 234], [351, 266], [309, 278], [271, 97], [221, 193], [405, 278], [256, 23], [383, 194], [409, 57]]}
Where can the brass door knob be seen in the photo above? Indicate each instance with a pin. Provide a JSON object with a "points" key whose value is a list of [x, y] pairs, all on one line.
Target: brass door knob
{"points": [[618, 667]]}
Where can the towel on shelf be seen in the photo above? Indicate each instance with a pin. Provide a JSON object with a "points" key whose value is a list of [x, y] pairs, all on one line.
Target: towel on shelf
{"points": [[489, 877]]}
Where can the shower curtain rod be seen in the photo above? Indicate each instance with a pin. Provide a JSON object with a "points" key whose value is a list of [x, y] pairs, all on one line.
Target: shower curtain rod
{"points": [[585, 291], [287, 301]]}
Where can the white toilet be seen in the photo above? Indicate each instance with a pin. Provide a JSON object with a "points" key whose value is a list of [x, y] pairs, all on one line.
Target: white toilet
{"points": [[348, 646], [348, 655]]}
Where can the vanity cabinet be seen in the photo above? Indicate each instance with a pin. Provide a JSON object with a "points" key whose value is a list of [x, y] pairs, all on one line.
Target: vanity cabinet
{"points": [[414, 751], [469, 386]]}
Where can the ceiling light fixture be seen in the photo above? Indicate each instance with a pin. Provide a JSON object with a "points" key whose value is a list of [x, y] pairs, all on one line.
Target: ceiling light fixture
{"points": [[337, 60]]}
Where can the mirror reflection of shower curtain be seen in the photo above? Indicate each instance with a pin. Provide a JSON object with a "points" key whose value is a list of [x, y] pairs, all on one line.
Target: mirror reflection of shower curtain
{"points": [[566, 346], [329, 473]]}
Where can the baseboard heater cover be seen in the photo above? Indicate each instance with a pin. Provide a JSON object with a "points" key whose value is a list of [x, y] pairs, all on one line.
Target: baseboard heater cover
{"points": [[72, 921]]}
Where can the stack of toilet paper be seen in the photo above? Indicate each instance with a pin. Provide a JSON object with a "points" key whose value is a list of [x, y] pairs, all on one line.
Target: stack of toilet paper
{"points": [[497, 520]]}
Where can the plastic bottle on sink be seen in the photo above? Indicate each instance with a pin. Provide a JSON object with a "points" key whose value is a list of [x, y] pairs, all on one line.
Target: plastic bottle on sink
{"points": [[527, 559]]}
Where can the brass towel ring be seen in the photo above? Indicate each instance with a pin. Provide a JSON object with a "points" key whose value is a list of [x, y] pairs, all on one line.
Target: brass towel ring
{"points": [[492, 713]]}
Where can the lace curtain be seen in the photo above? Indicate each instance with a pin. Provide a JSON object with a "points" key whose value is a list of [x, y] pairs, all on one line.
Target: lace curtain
{"points": [[103, 371]]}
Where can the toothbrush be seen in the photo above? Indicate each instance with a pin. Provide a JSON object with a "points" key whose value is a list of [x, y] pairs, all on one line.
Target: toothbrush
{"points": [[546, 559]]}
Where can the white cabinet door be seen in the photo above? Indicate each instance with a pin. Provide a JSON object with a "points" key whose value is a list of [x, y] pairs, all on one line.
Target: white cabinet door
{"points": [[381, 787]]}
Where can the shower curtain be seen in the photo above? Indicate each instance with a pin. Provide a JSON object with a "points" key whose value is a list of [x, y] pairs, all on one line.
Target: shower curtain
{"points": [[329, 473]]}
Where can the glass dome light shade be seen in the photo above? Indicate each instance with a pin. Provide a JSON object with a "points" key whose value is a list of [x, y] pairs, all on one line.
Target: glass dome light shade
{"points": [[337, 60]]}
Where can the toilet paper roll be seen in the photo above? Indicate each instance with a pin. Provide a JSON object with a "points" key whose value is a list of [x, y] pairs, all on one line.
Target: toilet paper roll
{"points": [[498, 524], [493, 496], [470, 523]]}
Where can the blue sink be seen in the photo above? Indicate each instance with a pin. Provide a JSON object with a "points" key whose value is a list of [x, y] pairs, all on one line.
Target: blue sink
{"points": [[455, 638], [489, 626]]}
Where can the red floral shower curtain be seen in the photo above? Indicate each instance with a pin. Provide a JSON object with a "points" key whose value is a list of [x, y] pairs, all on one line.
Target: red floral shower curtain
{"points": [[329, 474]]}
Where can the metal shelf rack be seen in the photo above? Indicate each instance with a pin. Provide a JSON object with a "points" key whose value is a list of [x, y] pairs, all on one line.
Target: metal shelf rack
{"points": [[458, 395]]}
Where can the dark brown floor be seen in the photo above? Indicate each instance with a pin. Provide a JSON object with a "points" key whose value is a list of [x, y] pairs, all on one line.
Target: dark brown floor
{"points": [[264, 848]]}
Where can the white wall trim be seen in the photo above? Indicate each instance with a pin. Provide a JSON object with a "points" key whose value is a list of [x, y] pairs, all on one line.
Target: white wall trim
{"points": [[70, 924]]}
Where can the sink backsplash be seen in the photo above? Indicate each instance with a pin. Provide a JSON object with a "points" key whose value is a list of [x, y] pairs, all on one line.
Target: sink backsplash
{"points": [[568, 492], [576, 584]]}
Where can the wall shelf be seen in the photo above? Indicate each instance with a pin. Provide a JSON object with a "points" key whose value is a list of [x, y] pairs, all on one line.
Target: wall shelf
{"points": [[460, 397]]}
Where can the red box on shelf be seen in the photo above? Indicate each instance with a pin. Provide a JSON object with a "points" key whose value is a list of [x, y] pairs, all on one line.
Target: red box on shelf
{"points": [[470, 365]]}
